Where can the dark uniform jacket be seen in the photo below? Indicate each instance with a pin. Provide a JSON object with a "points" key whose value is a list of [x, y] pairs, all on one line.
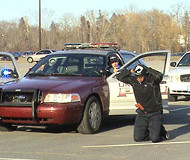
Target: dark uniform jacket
{"points": [[146, 93]]}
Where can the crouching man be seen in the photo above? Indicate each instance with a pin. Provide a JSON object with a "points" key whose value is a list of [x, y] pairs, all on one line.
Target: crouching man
{"points": [[146, 86]]}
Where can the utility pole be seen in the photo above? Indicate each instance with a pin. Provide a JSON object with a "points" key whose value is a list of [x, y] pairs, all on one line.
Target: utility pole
{"points": [[40, 41]]}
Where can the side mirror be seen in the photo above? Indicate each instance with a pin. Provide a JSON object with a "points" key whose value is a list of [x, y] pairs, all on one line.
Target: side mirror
{"points": [[173, 64]]}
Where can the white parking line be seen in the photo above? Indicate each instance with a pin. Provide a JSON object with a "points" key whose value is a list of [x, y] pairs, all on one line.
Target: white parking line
{"points": [[178, 109], [137, 144]]}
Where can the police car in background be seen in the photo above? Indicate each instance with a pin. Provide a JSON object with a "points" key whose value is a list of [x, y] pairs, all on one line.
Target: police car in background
{"points": [[8, 68], [72, 86]]}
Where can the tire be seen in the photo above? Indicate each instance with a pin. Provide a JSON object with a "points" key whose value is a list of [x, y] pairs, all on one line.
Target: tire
{"points": [[30, 59], [92, 117], [172, 98], [7, 127]]}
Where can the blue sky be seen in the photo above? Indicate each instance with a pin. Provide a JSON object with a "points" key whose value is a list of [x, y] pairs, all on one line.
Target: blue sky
{"points": [[15, 9]]}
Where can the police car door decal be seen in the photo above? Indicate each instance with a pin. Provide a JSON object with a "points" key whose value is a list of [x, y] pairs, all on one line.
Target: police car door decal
{"points": [[121, 97]]}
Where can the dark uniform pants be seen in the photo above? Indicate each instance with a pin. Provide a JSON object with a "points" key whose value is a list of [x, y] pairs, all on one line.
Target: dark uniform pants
{"points": [[148, 126]]}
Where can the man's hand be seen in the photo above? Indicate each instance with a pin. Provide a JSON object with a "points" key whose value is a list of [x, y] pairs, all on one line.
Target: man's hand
{"points": [[115, 69], [132, 71]]}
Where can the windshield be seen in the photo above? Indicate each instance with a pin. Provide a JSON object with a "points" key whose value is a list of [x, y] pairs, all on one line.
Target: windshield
{"points": [[69, 65], [185, 61]]}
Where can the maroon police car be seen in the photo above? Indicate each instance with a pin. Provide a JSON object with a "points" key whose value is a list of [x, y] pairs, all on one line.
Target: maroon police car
{"points": [[65, 87]]}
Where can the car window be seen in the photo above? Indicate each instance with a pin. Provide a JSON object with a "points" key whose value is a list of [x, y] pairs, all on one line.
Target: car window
{"points": [[70, 64], [92, 63], [38, 53], [43, 52], [127, 57], [46, 52], [158, 60], [185, 61], [6, 62]]}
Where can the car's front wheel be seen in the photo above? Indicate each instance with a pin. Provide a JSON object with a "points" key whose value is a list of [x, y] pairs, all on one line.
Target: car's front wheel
{"points": [[7, 127], [92, 117], [30, 59]]}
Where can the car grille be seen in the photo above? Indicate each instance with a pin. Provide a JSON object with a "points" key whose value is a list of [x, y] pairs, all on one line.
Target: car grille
{"points": [[185, 78], [17, 97], [20, 98]]}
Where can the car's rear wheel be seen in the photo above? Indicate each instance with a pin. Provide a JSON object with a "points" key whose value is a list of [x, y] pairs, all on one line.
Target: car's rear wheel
{"points": [[30, 59], [92, 117], [7, 127]]}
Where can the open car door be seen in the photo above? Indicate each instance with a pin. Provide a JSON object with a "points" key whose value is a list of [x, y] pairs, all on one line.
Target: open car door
{"points": [[122, 99], [8, 68]]}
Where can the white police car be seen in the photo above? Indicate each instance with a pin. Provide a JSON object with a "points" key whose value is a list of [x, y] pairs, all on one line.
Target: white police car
{"points": [[179, 78]]}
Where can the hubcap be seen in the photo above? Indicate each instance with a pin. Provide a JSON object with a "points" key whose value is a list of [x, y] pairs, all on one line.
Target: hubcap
{"points": [[94, 115], [30, 60]]}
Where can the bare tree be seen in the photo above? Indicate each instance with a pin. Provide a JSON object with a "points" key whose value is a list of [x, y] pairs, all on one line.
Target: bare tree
{"points": [[133, 30], [186, 29]]}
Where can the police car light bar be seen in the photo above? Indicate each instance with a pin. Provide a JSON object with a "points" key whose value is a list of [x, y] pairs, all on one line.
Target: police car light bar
{"points": [[69, 46]]}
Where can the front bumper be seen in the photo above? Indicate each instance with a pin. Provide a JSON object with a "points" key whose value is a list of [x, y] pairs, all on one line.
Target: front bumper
{"points": [[46, 114], [179, 88], [26, 107]]}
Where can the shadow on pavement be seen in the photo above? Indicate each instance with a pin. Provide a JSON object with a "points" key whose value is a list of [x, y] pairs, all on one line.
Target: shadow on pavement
{"points": [[110, 123], [180, 118], [49, 129], [115, 122]]}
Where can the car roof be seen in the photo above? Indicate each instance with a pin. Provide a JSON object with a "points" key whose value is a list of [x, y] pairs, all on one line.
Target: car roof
{"points": [[93, 48], [97, 52]]}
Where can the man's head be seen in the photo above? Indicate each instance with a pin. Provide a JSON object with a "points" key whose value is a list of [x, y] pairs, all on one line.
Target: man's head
{"points": [[140, 73], [113, 61]]}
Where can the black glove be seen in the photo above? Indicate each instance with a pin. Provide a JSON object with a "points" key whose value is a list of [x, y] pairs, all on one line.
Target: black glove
{"points": [[122, 73]]}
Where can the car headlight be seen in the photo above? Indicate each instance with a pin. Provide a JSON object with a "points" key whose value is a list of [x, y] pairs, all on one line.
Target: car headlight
{"points": [[62, 98], [175, 78]]}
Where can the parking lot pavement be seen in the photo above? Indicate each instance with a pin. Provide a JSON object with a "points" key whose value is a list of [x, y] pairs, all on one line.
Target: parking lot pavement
{"points": [[113, 142]]}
